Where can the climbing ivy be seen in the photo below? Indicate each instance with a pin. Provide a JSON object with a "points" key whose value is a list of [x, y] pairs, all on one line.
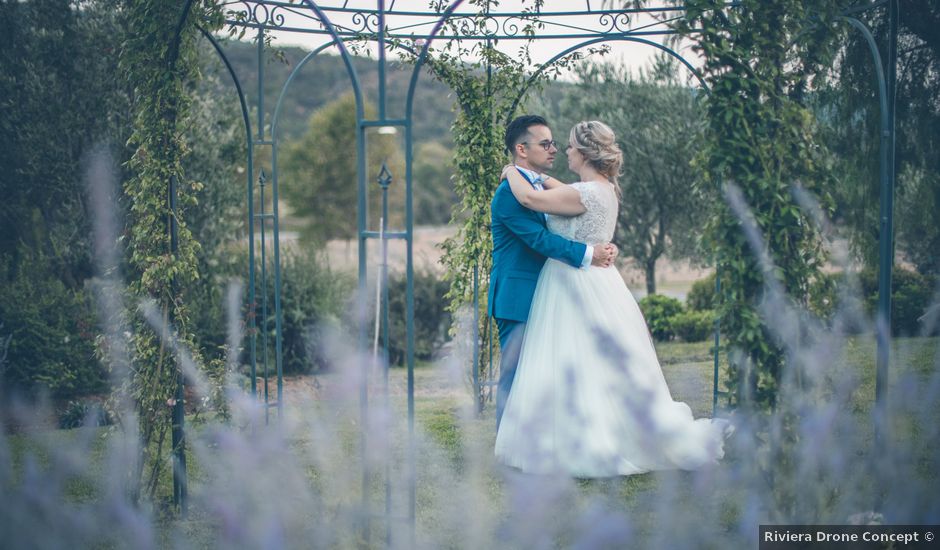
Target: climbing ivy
{"points": [[161, 70], [760, 58]]}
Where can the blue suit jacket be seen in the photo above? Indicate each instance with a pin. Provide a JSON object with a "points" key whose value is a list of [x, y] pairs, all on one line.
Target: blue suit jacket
{"points": [[521, 244]]}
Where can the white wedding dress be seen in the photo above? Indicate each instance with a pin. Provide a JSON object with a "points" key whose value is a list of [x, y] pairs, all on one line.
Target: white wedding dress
{"points": [[589, 398]]}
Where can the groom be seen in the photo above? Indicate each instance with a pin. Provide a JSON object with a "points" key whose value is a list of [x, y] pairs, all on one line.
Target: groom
{"points": [[522, 243]]}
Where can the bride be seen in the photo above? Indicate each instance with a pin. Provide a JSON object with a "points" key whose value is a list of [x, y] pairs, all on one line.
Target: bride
{"points": [[589, 398]]}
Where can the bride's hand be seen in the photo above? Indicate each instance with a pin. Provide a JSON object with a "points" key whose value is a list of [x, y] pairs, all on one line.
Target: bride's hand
{"points": [[506, 170]]}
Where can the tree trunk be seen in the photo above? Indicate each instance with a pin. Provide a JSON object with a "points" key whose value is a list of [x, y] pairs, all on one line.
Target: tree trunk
{"points": [[651, 276]]}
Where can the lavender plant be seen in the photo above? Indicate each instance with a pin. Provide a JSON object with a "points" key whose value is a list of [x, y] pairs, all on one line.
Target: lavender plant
{"points": [[298, 481]]}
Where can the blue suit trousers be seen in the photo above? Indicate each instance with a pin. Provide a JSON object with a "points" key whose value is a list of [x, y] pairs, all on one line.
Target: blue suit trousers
{"points": [[510, 344]]}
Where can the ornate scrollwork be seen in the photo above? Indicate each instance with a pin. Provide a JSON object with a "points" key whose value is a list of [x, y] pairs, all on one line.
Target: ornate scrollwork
{"points": [[615, 23], [259, 13], [366, 23], [511, 26], [359, 22], [493, 26], [489, 26]]}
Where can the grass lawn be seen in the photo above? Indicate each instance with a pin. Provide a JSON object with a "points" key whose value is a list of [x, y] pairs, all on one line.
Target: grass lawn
{"points": [[300, 483]]}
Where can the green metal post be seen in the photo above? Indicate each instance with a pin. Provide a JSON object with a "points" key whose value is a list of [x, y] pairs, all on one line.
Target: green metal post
{"points": [[178, 435], [717, 343], [477, 394], [381, 62], [262, 180], [361, 317], [886, 238], [252, 303], [278, 323], [384, 180]]}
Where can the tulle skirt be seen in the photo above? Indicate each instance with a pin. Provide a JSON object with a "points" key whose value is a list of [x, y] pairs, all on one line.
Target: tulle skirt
{"points": [[589, 398]]}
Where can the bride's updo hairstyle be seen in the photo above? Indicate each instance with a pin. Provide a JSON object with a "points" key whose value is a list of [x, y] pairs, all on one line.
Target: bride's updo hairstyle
{"points": [[597, 142]]}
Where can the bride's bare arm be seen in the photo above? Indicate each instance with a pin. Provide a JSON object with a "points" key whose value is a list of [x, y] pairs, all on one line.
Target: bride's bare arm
{"points": [[550, 182], [561, 199]]}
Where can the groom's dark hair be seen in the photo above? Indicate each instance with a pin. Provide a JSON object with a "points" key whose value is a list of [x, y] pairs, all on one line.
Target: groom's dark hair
{"points": [[518, 128]]}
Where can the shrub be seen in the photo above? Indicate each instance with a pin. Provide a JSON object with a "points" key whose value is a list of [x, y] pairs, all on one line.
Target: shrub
{"points": [[312, 298], [431, 321], [658, 311], [206, 298], [701, 296], [911, 294], [693, 326], [51, 331], [82, 413], [824, 294]]}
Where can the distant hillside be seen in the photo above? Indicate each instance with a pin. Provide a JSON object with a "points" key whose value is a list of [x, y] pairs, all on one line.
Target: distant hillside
{"points": [[325, 78]]}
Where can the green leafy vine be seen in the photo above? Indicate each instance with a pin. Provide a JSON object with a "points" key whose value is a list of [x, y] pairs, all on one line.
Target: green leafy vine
{"points": [[162, 71]]}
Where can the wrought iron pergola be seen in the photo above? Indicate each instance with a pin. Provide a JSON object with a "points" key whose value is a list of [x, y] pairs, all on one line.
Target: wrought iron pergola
{"points": [[579, 25]]}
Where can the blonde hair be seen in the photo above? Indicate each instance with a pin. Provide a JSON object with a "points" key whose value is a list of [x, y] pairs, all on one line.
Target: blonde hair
{"points": [[597, 142]]}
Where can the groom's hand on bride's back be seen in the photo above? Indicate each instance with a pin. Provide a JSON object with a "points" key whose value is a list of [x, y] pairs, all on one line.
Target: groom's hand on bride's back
{"points": [[604, 255]]}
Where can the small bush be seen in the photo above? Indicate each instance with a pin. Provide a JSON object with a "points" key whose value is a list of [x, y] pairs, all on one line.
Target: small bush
{"points": [[658, 311], [701, 296], [51, 333], [431, 318], [911, 295], [206, 300], [693, 326], [312, 298], [81, 413]]}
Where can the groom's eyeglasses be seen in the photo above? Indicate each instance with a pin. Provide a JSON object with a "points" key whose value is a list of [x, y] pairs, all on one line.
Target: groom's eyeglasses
{"points": [[546, 144]]}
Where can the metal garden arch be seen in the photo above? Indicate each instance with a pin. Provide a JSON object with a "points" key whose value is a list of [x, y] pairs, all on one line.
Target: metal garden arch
{"points": [[339, 23]]}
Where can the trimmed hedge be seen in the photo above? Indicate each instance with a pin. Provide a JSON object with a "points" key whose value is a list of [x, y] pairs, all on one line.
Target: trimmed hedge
{"points": [[693, 326], [312, 298], [701, 296], [658, 311], [911, 295]]}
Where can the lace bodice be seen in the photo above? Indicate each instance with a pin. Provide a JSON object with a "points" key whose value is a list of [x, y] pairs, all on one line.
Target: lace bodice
{"points": [[597, 224]]}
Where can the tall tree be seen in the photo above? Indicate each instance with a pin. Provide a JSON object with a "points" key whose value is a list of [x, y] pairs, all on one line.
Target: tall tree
{"points": [[319, 173], [659, 125], [59, 97], [434, 193]]}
